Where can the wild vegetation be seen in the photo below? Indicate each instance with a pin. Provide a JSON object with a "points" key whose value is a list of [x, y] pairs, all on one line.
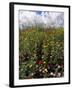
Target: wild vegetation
{"points": [[41, 53]]}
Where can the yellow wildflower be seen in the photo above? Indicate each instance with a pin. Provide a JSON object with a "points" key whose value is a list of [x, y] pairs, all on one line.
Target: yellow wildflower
{"points": [[25, 38], [30, 66], [45, 46]]}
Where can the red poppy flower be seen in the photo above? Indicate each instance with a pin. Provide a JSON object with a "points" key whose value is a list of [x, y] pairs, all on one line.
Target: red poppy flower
{"points": [[39, 62]]}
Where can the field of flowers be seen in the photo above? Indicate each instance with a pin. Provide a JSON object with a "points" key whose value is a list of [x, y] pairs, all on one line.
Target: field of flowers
{"points": [[41, 53]]}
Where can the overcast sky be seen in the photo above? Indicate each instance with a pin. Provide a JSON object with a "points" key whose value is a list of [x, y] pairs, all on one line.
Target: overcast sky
{"points": [[44, 18]]}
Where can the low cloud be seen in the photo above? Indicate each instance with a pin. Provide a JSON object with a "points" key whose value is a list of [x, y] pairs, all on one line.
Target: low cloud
{"points": [[44, 18]]}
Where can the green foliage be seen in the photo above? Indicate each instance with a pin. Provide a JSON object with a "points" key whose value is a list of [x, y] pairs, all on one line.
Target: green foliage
{"points": [[38, 49]]}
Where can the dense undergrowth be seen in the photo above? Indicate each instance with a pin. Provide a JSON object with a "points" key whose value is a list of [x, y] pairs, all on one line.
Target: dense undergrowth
{"points": [[41, 53]]}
